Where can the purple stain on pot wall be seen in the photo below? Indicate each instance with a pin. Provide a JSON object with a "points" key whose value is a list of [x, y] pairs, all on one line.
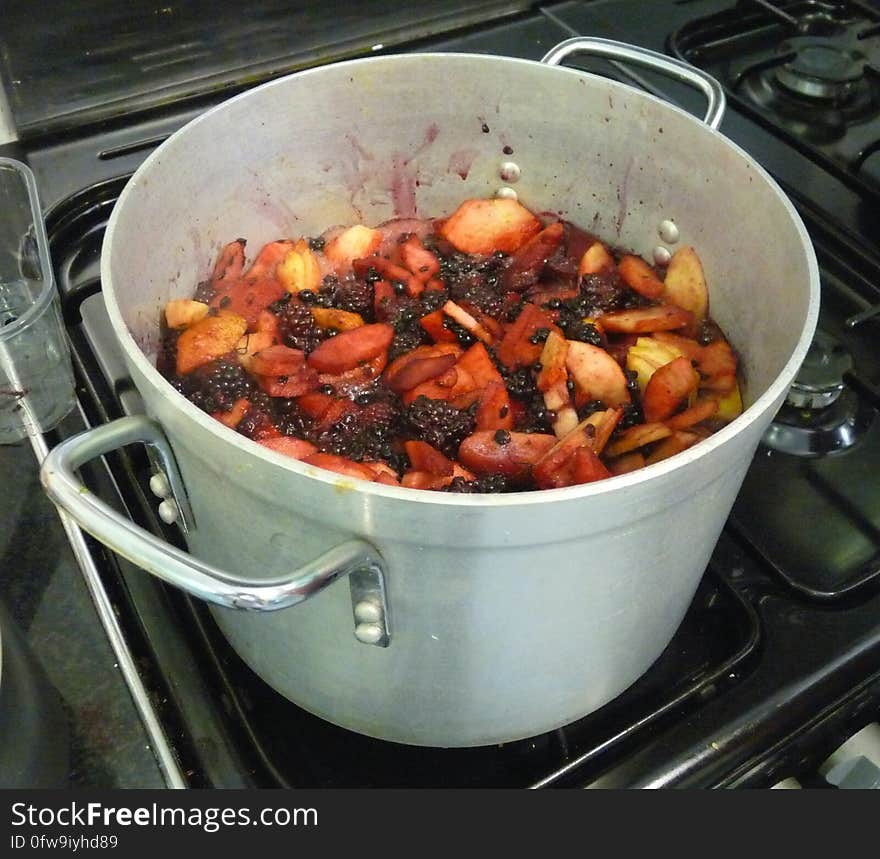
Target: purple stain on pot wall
{"points": [[461, 161]]}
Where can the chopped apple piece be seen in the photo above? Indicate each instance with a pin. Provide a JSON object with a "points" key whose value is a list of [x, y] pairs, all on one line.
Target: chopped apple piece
{"points": [[341, 465], [354, 243], [646, 355], [249, 298], [299, 269], [494, 411], [208, 339], [487, 226], [730, 405], [267, 260], [277, 361], [676, 443], [643, 320], [296, 448], [699, 411], [639, 276], [183, 312], [596, 375], [627, 462], [341, 320], [230, 263], [350, 348], [669, 386], [511, 453], [685, 283], [637, 436], [250, 344], [463, 318], [596, 259], [233, 417]]}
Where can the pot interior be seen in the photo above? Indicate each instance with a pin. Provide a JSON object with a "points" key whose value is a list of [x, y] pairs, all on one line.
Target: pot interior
{"points": [[414, 135]]}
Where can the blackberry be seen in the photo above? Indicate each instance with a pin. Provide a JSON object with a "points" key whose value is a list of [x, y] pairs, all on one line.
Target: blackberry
{"points": [[405, 340], [290, 418], [601, 293], [297, 325], [487, 483], [464, 337], [438, 423], [590, 408], [355, 296], [632, 415], [256, 424], [216, 386], [367, 434]]}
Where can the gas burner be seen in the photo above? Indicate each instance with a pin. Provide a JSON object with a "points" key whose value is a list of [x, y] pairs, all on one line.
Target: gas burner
{"points": [[821, 414], [820, 69]]}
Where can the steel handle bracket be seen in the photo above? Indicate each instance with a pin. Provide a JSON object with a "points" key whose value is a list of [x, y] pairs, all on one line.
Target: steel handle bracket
{"points": [[356, 559], [681, 71]]}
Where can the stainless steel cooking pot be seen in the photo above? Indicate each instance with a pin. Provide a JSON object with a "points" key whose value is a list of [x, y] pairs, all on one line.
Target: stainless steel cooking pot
{"points": [[466, 619]]}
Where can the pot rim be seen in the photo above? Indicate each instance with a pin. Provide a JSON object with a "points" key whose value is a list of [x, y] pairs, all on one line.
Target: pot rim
{"points": [[512, 499]]}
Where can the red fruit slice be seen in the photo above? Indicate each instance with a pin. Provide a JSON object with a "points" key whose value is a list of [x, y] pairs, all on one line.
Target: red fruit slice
{"points": [[289, 385], [296, 448], [515, 349], [639, 276], [699, 411], [663, 317], [424, 457], [528, 262], [494, 412], [419, 370], [482, 453], [341, 465], [420, 261], [277, 361], [433, 325], [230, 263], [350, 348], [486, 226], [668, 386], [267, 260], [208, 339], [249, 298], [596, 375]]}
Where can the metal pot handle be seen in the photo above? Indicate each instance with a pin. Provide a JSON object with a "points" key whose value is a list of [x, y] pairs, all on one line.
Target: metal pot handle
{"points": [[356, 559], [657, 62]]}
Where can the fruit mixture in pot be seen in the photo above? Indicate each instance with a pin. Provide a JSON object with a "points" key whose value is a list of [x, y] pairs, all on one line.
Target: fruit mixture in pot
{"points": [[489, 351]]}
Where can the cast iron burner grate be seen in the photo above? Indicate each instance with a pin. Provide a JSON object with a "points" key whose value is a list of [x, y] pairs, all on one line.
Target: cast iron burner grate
{"points": [[809, 70], [231, 730]]}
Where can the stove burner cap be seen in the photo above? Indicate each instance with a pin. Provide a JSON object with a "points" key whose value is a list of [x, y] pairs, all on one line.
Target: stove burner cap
{"points": [[820, 415], [819, 382], [820, 69]]}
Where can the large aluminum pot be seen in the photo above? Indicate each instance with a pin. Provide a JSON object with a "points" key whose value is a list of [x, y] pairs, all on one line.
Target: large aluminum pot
{"points": [[466, 620]]}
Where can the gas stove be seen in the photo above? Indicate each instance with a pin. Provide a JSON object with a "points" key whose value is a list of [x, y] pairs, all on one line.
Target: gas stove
{"points": [[777, 662]]}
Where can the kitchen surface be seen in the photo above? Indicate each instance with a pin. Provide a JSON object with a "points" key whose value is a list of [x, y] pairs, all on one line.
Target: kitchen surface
{"points": [[773, 677]]}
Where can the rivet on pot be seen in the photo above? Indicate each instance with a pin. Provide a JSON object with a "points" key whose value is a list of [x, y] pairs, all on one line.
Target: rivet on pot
{"points": [[367, 612], [368, 633], [169, 511], [160, 486], [661, 255], [510, 172], [668, 232], [507, 193]]}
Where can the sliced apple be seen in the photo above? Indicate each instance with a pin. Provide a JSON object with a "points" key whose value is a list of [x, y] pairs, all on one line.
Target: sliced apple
{"points": [[299, 269], [250, 344], [354, 243], [639, 276], [183, 312], [637, 436], [511, 454], [350, 348], [646, 355], [730, 405], [596, 375], [332, 317], [467, 321], [701, 410], [685, 283], [486, 226], [595, 260], [672, 445], [230, 263], [668, 387], [297, 448], [644, 320], [208, 339]]}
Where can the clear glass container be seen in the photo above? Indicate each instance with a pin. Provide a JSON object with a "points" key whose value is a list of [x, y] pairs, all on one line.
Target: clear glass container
{"points": [[36, 380]]}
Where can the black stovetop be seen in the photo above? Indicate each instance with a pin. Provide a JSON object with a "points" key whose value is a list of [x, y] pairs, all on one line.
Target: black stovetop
{"points": [[778, 659]]}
